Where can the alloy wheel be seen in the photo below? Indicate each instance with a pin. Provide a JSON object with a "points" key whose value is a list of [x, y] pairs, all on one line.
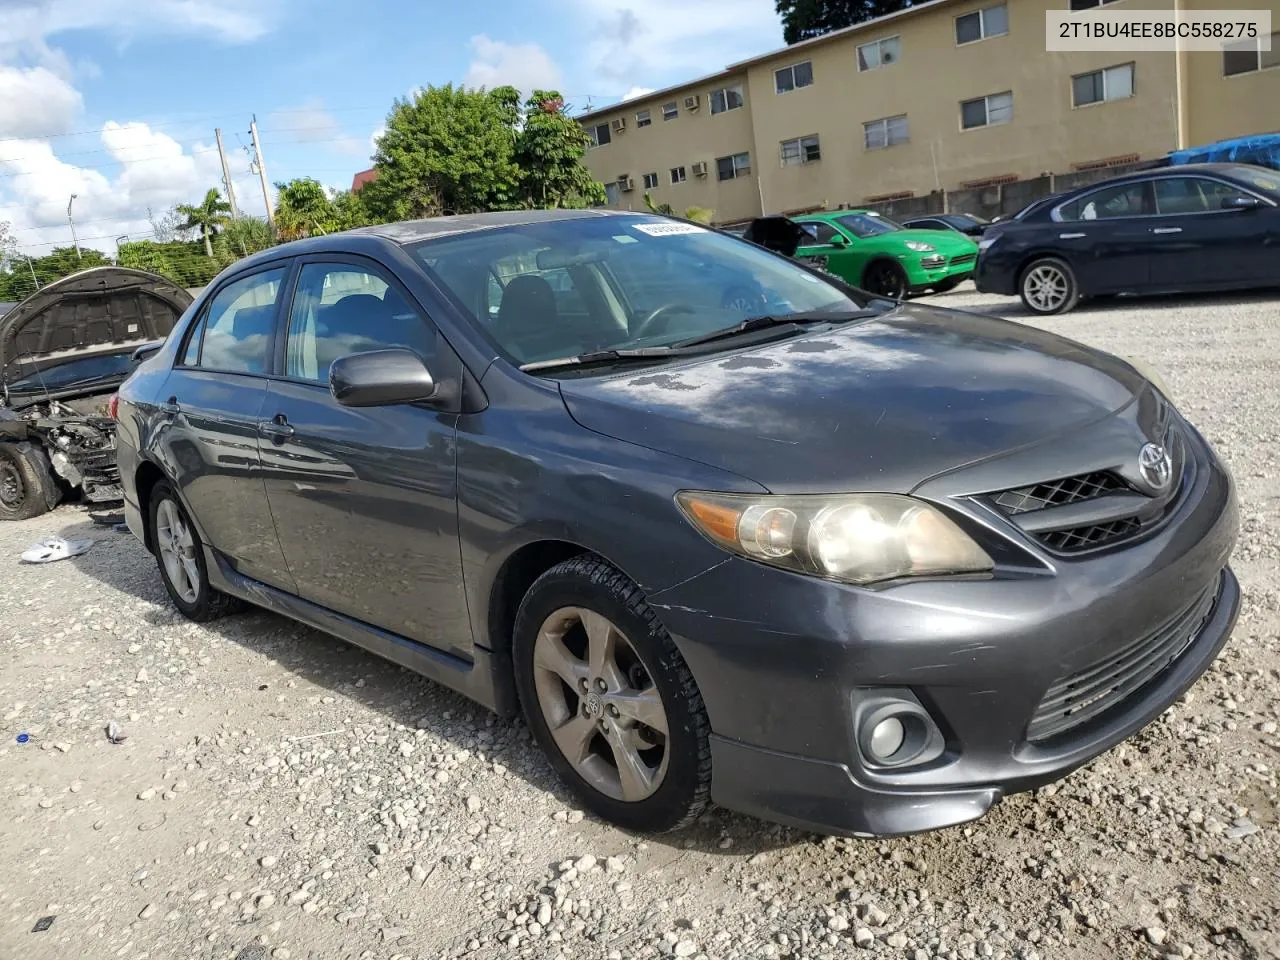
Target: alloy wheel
{"points": [[1046, 288], [600, 703], [13, 492], [886, 280], [177, 551]]}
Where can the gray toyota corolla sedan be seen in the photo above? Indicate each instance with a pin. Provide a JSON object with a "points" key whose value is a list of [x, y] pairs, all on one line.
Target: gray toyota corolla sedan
{"points": [[724, 529]]}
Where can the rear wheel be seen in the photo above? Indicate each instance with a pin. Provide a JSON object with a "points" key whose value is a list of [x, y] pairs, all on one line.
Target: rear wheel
{"points": [[180, 556], [27, 484], [1048, 286], [885, 279], [609, 698]]}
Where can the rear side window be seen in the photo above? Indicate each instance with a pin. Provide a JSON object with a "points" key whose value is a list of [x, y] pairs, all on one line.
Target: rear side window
{"points": [[1126, 200], [237, 330], [822, 232]]}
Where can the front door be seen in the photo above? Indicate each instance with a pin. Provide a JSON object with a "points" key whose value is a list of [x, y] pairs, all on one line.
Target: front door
{"points": [[212, 402], [1199, 240], [365, 499]]}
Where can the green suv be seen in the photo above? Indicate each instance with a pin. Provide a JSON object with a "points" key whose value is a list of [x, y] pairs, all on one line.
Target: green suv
{"points": [[872, 252]]}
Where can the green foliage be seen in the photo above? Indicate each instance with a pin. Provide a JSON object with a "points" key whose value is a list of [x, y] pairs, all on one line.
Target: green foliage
{"points": [[303, 209], [183, 262], [245, 235], [696, 214], [549, 150], [58, 263], [207, 217], [804, 19], [350, 211]]}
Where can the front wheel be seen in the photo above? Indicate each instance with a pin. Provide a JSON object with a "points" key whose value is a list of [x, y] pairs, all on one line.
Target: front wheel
{"points": [[180, 556], [1048, 286], [609, 698], [27, 484], [885, 279]]}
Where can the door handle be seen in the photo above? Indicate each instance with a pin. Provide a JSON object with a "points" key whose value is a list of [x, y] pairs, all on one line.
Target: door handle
{"points": [[1071, 236], [1166, 229], [170, 407], [277, 428]]}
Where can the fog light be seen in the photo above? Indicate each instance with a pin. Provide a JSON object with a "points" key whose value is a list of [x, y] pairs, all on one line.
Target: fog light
{"points": [[886, 738]]}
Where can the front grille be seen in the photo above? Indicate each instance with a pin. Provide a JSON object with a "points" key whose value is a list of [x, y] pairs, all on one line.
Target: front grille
{"points": [[1057, 493], [932, 262], [1074, 539], [964, 259], [1089, 693]]}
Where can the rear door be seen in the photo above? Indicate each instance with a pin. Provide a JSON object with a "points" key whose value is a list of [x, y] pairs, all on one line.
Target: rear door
{"points": [[365, 499], [1200, 240], [1106, 236], [212, 401]]}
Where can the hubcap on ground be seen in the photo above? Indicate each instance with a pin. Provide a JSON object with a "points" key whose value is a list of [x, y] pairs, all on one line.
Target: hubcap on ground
{"points": [[12, 490], [601, 705], [1046, 287], [177, 551]]}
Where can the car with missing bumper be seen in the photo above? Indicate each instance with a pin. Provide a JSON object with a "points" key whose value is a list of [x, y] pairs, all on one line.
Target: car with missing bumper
{"points": [[855, 565], [63, 352]]}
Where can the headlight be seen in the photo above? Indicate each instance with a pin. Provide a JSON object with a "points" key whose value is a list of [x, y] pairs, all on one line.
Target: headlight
{"points": [[984, 243], [856, 538], [1151, 373], [919, 246]]}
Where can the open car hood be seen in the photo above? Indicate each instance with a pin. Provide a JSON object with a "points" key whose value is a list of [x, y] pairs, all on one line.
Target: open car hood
{"points": [[102, 310]]}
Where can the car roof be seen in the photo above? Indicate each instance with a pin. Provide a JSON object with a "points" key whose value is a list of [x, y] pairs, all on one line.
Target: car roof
{"points": [[831, 214], [1231, 170]]}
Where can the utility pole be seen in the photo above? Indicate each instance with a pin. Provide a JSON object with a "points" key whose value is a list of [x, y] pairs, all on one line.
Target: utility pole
{"points": [[1180, 79], [262, 172], [226, 175], [74, 242]]}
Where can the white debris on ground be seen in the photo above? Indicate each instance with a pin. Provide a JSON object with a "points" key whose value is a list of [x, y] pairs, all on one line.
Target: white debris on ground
{"points": [[280, 794]]}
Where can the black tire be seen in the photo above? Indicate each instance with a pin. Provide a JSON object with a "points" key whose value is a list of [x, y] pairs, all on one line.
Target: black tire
{"points": [[28, 487], [208, 604], [885, 278], [590, 583], [1048, 286], [947, 285]]}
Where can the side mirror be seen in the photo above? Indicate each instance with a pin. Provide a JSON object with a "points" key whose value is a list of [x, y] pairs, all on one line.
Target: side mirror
{"points": [[838, 240], [146, 350], [1241, 203], [380, 378]]}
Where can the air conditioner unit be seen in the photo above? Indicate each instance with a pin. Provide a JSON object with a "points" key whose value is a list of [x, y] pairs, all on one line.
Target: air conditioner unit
{"points": [[700, 168], [626, 184], [619, 125], [691, 103]]}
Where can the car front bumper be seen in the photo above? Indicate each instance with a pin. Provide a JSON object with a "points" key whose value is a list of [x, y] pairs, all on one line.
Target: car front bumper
{"points": [[922, 274], [783, 660]]}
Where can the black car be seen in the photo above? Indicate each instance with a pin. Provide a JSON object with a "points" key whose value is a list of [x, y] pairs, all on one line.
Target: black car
{"points": [[971, 225], [1192, 228], [856, 565]]}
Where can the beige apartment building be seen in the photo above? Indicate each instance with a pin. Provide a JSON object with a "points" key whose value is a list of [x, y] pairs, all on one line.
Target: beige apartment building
{"points": [[946, 95]]}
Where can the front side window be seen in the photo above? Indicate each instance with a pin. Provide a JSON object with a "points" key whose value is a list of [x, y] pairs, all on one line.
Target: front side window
{"points": [[793, 77], [679, 175], [1109, 203], [1249, 57], [726, 98], [1175, 195], [888, 132], [1113, 83], [989, 22], [879, 53], [584, 284], [237, 332], [643, 119], [340, 309], [730, 168], [863, 225], [800, 151], [823, 233], [986, 111]]}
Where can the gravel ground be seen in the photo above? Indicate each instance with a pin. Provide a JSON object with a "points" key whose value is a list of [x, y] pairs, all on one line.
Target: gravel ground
{"points": [[280, 794]]}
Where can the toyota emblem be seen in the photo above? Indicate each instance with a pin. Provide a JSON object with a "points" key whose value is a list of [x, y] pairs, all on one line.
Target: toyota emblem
{"points": [[1156, 466]]}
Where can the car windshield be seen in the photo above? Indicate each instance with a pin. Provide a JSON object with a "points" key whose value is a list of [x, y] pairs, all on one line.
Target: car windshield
{"points": [[966, 220], [1259, 178], [74, 371], [563, 288], [863, 225]]}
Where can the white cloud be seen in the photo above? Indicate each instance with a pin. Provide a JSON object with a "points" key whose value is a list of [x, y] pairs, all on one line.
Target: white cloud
{"points": [[311, 123], [35, 102], [636, 92], [525, 66]]}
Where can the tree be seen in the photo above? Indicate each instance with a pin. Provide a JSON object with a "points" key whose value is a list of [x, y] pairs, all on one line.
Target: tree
{"points": [[8, 246], [303, 209], [804, 19], [167, 227], [181, 261], [245, 235], [549, 150], [58, 263], [350, 210], [207, 217], [447, 150], [696, 214]]}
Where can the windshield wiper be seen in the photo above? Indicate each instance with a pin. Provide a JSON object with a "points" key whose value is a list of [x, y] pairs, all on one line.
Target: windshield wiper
{"points": [[779, 322], [601, 356]]}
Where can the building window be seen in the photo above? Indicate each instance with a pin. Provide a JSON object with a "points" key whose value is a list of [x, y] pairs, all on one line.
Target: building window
{"points": [[670, 111], [888, 132], [1113, 83], [1089, 4], [612, 193], [1248, 57], [989, 22], [650, 181], [726, 98], [730, 168], [793, 77], [599, 134], [643, 119], [678, 175], [881, 53], [986, 111], [800, 150]]}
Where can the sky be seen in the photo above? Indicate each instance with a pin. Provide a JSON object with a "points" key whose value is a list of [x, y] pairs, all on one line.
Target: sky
{"points": [[116, 101]]}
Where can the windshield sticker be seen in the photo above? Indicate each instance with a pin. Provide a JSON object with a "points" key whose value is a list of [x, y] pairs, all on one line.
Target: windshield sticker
{"points": [[667, 229], [623, 238]]}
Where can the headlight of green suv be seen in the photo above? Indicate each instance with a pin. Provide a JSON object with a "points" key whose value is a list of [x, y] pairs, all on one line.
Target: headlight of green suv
{"points": [[856, 538], [919, 246]]}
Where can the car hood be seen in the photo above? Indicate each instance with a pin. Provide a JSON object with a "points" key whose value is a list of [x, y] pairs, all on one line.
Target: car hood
{"points": [[950, 242], [102, 310], [882, 404]]}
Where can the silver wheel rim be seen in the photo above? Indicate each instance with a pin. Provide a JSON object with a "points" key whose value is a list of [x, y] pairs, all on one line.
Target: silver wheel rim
{"points": [[177, 551], [600, 703], [1046, 287]]}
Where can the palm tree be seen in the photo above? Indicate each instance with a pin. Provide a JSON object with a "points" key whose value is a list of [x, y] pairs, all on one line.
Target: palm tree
{"points": [[696, 214], [208, 217]]}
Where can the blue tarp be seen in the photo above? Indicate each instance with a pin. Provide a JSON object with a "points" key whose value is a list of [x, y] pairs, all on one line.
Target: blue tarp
{"points": [[1262, 149]]}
